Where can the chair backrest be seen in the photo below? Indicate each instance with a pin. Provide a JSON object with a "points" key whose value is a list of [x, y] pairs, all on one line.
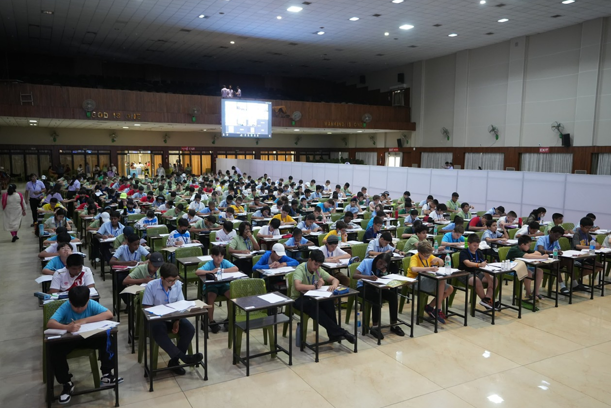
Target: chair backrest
{"points": [[364, 223], [212, 239], [512, 233], [320, 239], [480, 213], [405, 263], [352, 267], [533, 245], [135, 217], [289, 282], [283, 240], [400, 230], [400, 244], [565, 245], [479, 234], [360, 235], [600, 238], [568, 225], [359, 250], [367, 215], [503, 252], [189, 251], [337, 216], [48, 309], [246, 287], [157, 230], [118, 242], [438, 239]]}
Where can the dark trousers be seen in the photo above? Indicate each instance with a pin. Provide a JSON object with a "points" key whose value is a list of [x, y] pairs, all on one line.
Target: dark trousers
{"points": [[372, 295], [326, 314], [58, 353], [34, 203], [159, 331], [245, 265], [343, 279]]}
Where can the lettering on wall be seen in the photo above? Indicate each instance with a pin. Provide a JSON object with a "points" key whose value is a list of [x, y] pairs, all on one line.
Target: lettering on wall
{"points": [[115, 115], [344, 124]]}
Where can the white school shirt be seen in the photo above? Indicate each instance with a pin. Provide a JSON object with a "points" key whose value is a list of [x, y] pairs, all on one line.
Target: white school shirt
{"points": [[62, 280]]}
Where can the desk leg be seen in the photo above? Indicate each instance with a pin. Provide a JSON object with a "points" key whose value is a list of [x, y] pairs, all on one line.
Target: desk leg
{"points": [[290, 314], [466, 300], [184, 284], [317, 328], [572, 279], [131, 324], [436, 310], [301, 341], [517, 282], [116, 372], [50, 377], [205, 320], [380, 319], [557, 279], [151, 374], [235, 333], [416, 294], [248, 343], [356, 334], [363, 330], [493, 297]]}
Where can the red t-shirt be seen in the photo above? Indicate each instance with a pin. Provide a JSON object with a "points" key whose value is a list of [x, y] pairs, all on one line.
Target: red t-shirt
{"points": [[123, 187], [475, 222]]}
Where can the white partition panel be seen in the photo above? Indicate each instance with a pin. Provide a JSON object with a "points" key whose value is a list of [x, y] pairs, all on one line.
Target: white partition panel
{"points": [[318, 173], [360, 178], [419, 183], [307, 173], [396, 181], [296, 172], [332, 174], [257, 169], [588, 193], [377, 179], [504, 188], [540, 188], [288, 169], [443, 184], [471, 187]]}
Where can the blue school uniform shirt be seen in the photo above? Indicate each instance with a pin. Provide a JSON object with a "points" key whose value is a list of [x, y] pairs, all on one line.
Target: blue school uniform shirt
{"points": [[302, 226], [265, 261], [370, 223], [369, 234], [65, 314], [410, 220], [154, 294], [449, 227], [55, 264], [544, 242], [108, 229], [490, 234], [354, 209], [209, 266], [366, 268], [324, 209], [491, 211], [123, 254], [291, 241], [449, 238]]}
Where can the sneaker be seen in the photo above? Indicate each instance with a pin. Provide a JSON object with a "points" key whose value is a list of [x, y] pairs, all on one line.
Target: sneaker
{"points": [[397, 330], [66, 394], [487, 303], [564, 290], [109, 379], [349, 337], [14, 238], [430, 311], [441, 317], [192, 359], [375, 332], [176, 370], [440, 313], [214, 327], [580, 288], [497, 305]]}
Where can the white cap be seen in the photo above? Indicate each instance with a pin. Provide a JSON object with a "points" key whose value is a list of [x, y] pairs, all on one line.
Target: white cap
{"points": [[105, 217], [279, 249], [43, 177]]}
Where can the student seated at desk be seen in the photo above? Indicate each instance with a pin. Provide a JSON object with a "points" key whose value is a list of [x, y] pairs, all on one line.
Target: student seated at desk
{"points": [[522, 250], [59, 262], [333, 254], [405, 198], [450, 227], [256, 203], [284, 216], [546, 245], [375, 201], [529, 230], [346, 219], [328, 189], [455, 238], [372, 269], [262, 213], [52, 206], [472, 258], [318, 213], [271, 230], [112, 228], [452, 204], [297, 240], [205, 224], [419, 235], [465, 211], [51, 250], [429, 207], [339, 231], [148, 221], [557, 221], [79, 309], [382, 245], [238, 208], [197, 204], [130, 254], [57, 220], [226, 203], [276, 258], [492, 235], [437, 213], [593, 218], [168, 205], [74, 274], [168, 289], [346, 190], [424, 261], [60, 230], [145, 272], [582, 240], [374, 230], [310, 276], [227, 233], [507, 220], [181, 235], [227, 215], [309, 224], [327, 207], [411, 218], [175, 212], [191, 216], [536, 215], [378, 214], [478, 223], [353, 207], [497, 211], [211, 291]]}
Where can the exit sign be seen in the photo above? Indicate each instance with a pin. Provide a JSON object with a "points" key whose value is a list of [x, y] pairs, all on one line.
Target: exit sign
{"points": [[544, 150]]}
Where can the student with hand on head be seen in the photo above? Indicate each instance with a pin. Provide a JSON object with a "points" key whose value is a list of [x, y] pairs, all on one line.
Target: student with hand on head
{"points": [[339, 231], [529, 230], [429, 207], [168, 289], [310, 276], [375, 200], [145, 272], [536, 215], [478, 223], [472, 258], [496, 211], [593, 218], [327, 207], [74, 274], [262, 213], [211, 291], [130, 254], [372, 269], [244, 242], [424, 262], [522, 250], [78, 310], [507, 220]]}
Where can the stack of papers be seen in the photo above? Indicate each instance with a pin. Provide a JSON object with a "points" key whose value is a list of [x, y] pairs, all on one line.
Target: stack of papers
{"points": [[233, 275], [44, 278], [205, 258], [398, 277], [162, 310], [271, 298], [568, 254], [341, 263], [89, 329], [93, 292], [284, 269], [133, 289], [322, 292], [443, 272]]}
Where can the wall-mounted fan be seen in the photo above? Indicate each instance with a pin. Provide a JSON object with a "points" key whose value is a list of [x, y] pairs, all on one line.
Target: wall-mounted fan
{"points": [[445, 132], [296, 116], [89, 106], [493, 130], [366, 118], [165, 138], [113, 137], [558, 127], [194, 111]]}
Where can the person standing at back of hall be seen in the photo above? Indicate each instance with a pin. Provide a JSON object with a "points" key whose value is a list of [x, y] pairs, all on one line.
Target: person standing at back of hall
{"points": [[224, 91], [238, 93]]}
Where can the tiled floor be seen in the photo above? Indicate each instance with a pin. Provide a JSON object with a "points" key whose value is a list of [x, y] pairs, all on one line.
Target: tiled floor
{"points": [[553, 358]]}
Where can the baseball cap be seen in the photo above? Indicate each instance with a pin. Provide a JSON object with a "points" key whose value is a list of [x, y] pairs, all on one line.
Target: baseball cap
{"points": [[156, 259], [105, 217], [333, 239], [279, 249]]}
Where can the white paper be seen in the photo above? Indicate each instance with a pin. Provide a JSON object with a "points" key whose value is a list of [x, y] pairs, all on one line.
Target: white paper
{"points": [[571, 253], [315, 233], [484, 245], [603, 250], [93, 292], [382, 281], [160, 310], [205, 258], [321, 292], [233, 275], [103, 325], [442, 271], [55, 331], [191, 245], [272, 298], [181, 305], [44, 278], [395, 276], [512, 241], [284, 269]]}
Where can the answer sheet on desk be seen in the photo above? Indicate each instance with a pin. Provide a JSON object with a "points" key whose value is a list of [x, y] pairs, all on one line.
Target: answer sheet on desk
{"points": [[272, 298]]}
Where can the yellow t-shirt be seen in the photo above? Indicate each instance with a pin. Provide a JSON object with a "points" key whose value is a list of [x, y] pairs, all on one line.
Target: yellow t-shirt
{"points": [[417, 262], [47, 207], [238, 209], [288, 218]]}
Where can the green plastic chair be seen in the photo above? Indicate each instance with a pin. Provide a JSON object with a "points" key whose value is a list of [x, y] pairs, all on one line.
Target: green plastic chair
{"points": [[255, 259], [568, 225], [242, 288], [117, 242], [359, 250], [364, 223], [133, 218], [191, 276], [350, 302], [360, 235], [480, 213], [512, 233], [367, 215], [337, 216], [48, 310], [400, 231], [212, 239], [409, 290], [156, 230]]}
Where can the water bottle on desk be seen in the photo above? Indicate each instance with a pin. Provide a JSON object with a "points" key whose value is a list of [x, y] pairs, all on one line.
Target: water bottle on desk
{"points": [[41, 229], [219, 274], [555, 253], [435, 230], [592, 248], [448, 264], [436, 246]]}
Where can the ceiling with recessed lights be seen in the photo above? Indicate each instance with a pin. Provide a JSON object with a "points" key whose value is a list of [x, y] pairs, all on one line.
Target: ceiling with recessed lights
{"points": [[326, 38]]}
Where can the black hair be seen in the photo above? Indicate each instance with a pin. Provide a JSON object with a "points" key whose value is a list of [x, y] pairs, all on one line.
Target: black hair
{"points": [[228, 225], [442, 207], [524, 239], [61, 230], [534, 225], [557, 230], [216, 250], [556, 216], [275, 223], [63, 244], [464, 205], [11, 189], [78, 295], [133, 238], [211, 218], [386, 236], [489, 223], [317, 256], [74, 260], [341, 225], [63, 237], [310, 217], [512, 214], [586, 222], [168, 270], [183, 222], [242, 227], [591, 216], [487, 217], [473, 238], [455, 194], [150, 214], [420, 228], [297, 231], [378, 220], [115, 214], [414, 212]]}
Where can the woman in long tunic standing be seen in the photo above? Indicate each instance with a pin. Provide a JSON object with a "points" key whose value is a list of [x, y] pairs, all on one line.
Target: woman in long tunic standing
{"points": [[14, 208]]}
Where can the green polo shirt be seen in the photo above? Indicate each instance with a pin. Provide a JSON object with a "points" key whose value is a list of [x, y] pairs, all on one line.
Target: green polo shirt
{"points": [[200, 225], [411, 244], [302, 274], [238, 243], [455, 206], [141, 272]]}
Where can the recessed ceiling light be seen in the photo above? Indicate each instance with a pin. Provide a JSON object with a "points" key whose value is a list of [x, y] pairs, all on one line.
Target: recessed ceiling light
{"points": [[406, 27], [201, 16], [294, 9], [296, 130], [398, 1], [482, 2], [453, 35], [387, 33], [320, 32], [231, 42], [359, 131], [503, 20], [136, 124], [33, 124], [353, 19], [33, 121], [568, 1], [279, 17], [329, 133], [47, 12], [125, 127]]}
